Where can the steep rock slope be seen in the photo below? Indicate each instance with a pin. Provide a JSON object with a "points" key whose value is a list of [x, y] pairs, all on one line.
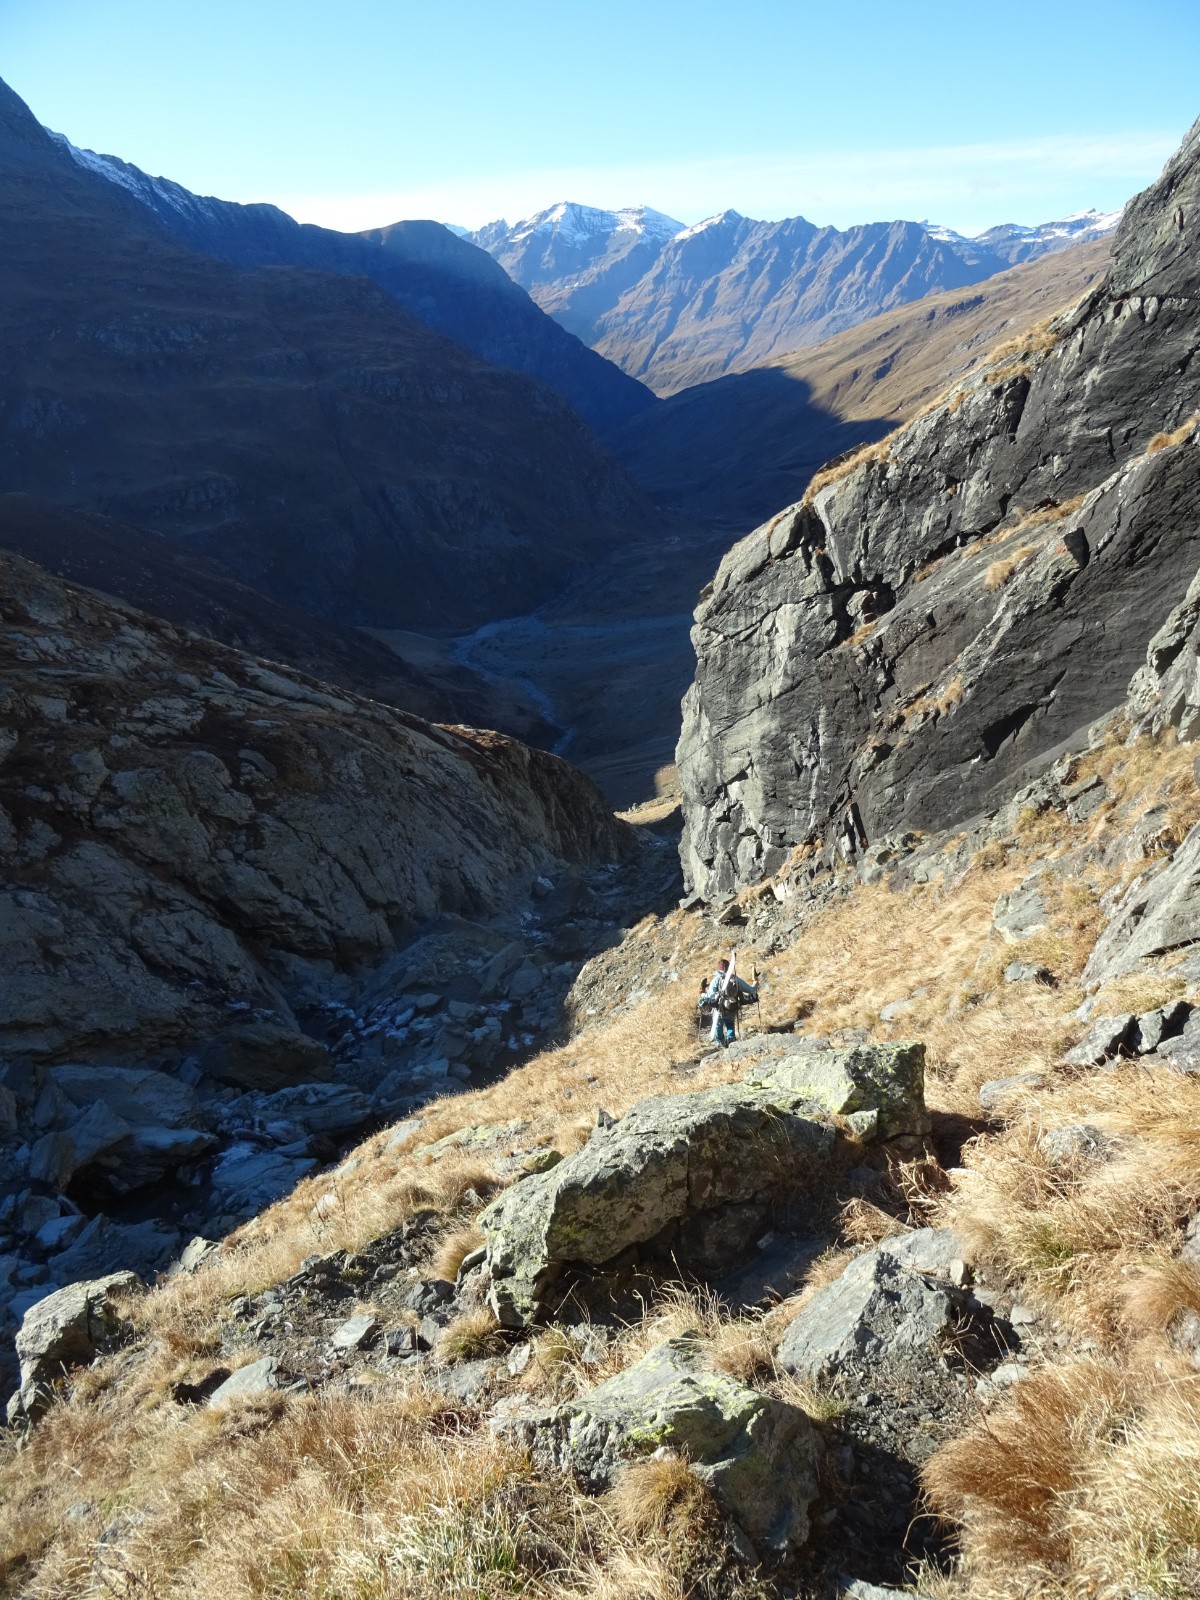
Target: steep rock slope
{"points": [[443, 279], [731, 293], [948, 608], [188, 833], [299, 427], [737, 448]]}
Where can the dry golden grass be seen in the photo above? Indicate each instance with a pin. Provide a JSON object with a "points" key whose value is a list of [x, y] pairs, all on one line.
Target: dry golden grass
{"points": [[1167, 441], [453, 1250], [1017, 357], [471, 1335], [1073, 1234], [663, 1500], [880, 451], [930, 703], [1085, 1482], [998, 574]]}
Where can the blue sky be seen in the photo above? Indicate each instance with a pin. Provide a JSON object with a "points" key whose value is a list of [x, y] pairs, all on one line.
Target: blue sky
{"points": [[358, 113]]}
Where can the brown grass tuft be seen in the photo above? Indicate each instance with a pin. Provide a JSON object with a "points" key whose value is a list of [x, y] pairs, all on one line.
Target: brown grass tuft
{"points": [[1166, 441], [1008, 1481], [998, 574], [472, 1335], [453, 1250], [880, 451], [662, 1499]]}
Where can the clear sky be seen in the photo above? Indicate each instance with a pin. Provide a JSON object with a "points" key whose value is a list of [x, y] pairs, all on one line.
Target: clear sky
{"points": [[359, 113]]}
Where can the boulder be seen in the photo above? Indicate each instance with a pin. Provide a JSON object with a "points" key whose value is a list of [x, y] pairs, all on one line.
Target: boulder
{"points": [[138, 1095], [355, 1332], [888, 1079], [259, 1377], [1106, 1038], [332, 1109], [1077, 1144], [264, 1055], [758, 1456], [661, 1174], [247, 1178], [885, 1303], [996, 1091], [1021, 912], [65, 1329], [1159, 912]]}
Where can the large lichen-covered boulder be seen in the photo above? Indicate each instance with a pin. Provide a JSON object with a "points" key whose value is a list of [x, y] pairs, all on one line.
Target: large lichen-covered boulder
{"points": [[690, 1173], [888, 1302], [879, 1088], [759, 1456], [670, 1160], [66, 1329]]}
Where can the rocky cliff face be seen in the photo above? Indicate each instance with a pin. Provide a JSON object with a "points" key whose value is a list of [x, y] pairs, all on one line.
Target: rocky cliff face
{"points": [[943, 611], [190, 835]]}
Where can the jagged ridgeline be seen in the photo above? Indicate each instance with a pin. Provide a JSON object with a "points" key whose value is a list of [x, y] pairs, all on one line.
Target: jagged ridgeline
{"points": [[943, 611]]}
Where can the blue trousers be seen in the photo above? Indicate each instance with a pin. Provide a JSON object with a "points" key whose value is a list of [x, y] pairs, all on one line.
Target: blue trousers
{"points": [[724, 1029]]}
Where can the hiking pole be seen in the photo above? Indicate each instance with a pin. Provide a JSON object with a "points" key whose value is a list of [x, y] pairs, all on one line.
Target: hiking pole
{"points": [[757, 1000]]}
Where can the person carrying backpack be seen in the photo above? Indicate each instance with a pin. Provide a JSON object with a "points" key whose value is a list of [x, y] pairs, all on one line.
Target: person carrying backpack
{"points": [[722, 997]]}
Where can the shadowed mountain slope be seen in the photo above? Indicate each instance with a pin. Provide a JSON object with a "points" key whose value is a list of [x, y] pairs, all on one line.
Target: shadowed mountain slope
{"points": [[298, 427], [444, 280], [150, 570]]}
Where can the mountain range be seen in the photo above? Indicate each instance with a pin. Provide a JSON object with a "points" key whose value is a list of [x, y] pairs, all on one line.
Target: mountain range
{"points": [[676, 306]]}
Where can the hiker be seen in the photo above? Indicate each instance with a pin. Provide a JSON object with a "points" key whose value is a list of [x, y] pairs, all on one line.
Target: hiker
{"points": [[723, 996]]}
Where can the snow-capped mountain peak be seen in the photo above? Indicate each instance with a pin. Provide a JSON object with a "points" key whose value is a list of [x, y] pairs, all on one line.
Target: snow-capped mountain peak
{"points": [[1078, 228], [574, 224], [720, 219]]}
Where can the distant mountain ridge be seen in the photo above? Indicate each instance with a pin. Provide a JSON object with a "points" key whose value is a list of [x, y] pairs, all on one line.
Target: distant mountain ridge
{"points": [[679, 308], [433, 271]]}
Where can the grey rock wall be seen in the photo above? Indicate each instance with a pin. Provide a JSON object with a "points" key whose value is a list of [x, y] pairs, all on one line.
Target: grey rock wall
{"points": [[910, 645]]}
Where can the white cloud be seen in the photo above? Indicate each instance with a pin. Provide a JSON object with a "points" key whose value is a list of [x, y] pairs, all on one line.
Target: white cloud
{"points": [[965, 186]]}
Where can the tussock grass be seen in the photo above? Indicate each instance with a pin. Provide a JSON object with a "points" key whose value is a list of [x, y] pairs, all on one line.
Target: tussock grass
{"points": [[1017, 357], [1167, 441], [471, 1335], [1086, 1481], [453, 1250], [663, 1500], [998, 574], [879, 451], [1074, 1236]]}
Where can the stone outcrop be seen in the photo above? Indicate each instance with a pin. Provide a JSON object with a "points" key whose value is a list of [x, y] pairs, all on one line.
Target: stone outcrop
{"points": [[692, 1176], [759, 1456], [61, 1331], [194, 840], [902, 647], [886, 1303]]}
